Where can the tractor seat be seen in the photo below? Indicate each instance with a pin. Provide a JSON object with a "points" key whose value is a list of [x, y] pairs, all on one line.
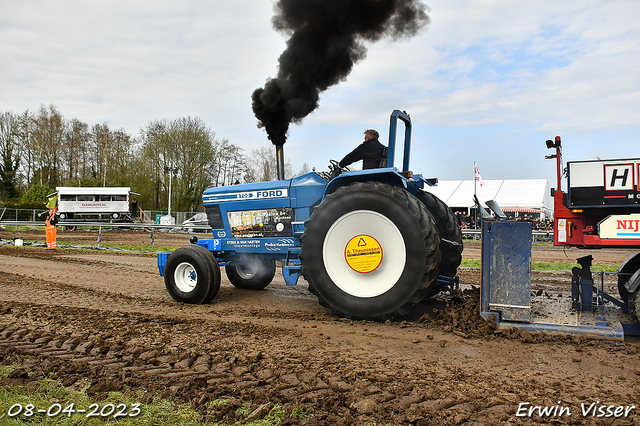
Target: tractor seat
{"points": [[383, 160]]}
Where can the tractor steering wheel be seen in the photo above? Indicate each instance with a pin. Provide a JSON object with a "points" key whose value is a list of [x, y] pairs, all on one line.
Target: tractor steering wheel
{"points": [[334, 169]]}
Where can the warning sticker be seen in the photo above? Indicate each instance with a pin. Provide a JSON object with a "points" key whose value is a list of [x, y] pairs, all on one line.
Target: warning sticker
{"points": [[363, 254]]}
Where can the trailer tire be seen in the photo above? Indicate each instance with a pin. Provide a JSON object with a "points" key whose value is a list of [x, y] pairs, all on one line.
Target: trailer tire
{"points": [[400, 234], [254, 274], [634, 306], [626, 271], [192, 275]]}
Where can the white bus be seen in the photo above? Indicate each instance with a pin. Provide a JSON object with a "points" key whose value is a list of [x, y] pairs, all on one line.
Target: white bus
{"points": [[94, 203]]}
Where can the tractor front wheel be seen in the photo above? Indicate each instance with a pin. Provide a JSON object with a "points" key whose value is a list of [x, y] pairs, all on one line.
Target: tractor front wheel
{"points": [[192, 275], [252, 273]]}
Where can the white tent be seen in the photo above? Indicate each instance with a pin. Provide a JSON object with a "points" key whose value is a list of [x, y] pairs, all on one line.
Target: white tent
{"points": [[515, 195]]}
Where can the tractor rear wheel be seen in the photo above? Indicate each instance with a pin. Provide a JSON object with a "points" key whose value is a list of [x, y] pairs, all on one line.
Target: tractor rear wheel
{"points": [[367, 249], [449, 230], [254, 273], [192, 275]]}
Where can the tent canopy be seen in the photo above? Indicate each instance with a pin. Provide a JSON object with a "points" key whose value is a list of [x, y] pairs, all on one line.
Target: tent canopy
{"points": [[523, 195]]}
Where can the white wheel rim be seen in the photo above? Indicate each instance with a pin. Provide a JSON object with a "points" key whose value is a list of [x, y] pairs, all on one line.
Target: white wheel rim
{"points": [[385, 276], [185, 277]]}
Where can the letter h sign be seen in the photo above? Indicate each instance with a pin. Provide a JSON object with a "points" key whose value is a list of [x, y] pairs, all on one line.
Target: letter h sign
{"points": [[619, 177]]}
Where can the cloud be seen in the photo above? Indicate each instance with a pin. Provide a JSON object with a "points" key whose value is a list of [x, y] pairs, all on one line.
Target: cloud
{"points": [[483, 70]]}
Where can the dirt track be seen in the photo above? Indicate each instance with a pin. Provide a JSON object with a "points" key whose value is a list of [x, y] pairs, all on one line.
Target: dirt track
{"points": [[107, 317]]}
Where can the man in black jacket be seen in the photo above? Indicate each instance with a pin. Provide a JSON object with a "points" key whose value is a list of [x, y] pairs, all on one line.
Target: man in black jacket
{"points": [[370, 152]]}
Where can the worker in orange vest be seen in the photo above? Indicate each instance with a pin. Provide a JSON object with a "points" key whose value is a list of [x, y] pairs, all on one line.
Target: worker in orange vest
{"points": [[50, 223], [50, 229]]}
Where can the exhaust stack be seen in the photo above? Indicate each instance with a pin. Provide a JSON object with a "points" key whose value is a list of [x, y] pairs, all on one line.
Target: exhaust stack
{"points": [[280, 161]]}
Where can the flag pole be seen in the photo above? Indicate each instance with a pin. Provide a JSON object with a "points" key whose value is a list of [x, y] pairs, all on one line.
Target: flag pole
{"points": [[475, 184]]}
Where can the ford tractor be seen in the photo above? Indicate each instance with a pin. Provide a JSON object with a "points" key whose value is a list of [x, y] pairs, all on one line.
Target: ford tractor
{"points": [[370, 243]]}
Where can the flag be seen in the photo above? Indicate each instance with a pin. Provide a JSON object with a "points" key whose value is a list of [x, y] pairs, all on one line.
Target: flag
{"points": [[478, 177], [51, 202]]}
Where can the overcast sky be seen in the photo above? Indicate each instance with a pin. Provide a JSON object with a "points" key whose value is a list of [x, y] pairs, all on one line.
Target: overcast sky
{"points": [[487, 81]]}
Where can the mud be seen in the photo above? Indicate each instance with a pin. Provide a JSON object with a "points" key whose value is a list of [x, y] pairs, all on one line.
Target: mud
{"points": [[104, 318]]}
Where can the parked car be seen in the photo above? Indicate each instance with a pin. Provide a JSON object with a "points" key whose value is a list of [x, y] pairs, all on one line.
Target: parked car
{"points": [[196, 223]]}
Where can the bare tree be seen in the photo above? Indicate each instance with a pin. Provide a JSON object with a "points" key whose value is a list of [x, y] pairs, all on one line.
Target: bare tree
{"points": [[48, 135], [188, 145], [9, 159], [101, 140], [304, 170], [120, 158], [229, 161], [26, 145], [262, 166], [74, 151], [51, 150]]}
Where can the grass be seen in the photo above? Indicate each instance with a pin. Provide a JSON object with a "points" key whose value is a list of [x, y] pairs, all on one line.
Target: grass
{"points": [[19, 405], [142, 247], [546, 266], [131, 247]]}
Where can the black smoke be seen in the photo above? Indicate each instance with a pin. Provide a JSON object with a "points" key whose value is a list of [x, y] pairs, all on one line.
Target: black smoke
{"points": [[326, 38]]}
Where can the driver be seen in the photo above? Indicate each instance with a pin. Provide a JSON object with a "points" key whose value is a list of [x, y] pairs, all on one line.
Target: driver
{"points": [[370, 152]]}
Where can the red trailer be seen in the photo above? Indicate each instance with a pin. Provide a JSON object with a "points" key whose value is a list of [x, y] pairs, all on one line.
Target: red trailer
{"points": [[601, 208]]}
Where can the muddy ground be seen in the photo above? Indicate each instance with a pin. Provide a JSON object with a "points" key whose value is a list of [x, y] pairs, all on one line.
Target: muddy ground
{"points": [[105, 318]]}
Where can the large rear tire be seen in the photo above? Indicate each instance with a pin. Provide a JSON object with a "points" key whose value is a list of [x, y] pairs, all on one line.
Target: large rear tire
{"points": [[192, 275], [367, 249], [451, 245], [253, 273]]}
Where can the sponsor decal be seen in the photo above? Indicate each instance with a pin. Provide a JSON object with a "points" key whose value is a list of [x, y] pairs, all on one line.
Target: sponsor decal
{"points": [[261, 223], [620, 226], [247, 195], [619, 177], [604, 183], [93, 205], [243, 243], [363, 254], [280, 244]]}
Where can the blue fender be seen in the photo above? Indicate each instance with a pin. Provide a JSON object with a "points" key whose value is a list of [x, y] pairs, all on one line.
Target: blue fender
{"points": [[388, 175]]}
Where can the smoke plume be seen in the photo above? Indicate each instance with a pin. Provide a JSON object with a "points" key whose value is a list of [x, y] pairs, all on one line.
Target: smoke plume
{"points": [[326, 38]]}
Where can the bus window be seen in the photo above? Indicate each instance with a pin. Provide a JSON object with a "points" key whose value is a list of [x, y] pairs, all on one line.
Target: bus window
{"points": [[67, 197], [105, 198], [119, 198], [85, 197]]}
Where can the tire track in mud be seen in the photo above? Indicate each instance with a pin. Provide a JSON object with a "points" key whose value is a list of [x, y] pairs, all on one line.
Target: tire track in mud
{"points": [[198, 361], [239, 364], [257, 349]]}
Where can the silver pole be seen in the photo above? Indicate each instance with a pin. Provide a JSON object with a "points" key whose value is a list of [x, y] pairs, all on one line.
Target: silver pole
{"points": [[170, 174]]}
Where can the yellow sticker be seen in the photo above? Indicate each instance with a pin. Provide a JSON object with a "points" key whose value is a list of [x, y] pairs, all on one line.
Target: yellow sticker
{"points": [[363, 254]]}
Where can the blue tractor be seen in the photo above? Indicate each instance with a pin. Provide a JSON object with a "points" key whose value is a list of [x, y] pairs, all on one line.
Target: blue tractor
{"points": [[370, 243]]}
